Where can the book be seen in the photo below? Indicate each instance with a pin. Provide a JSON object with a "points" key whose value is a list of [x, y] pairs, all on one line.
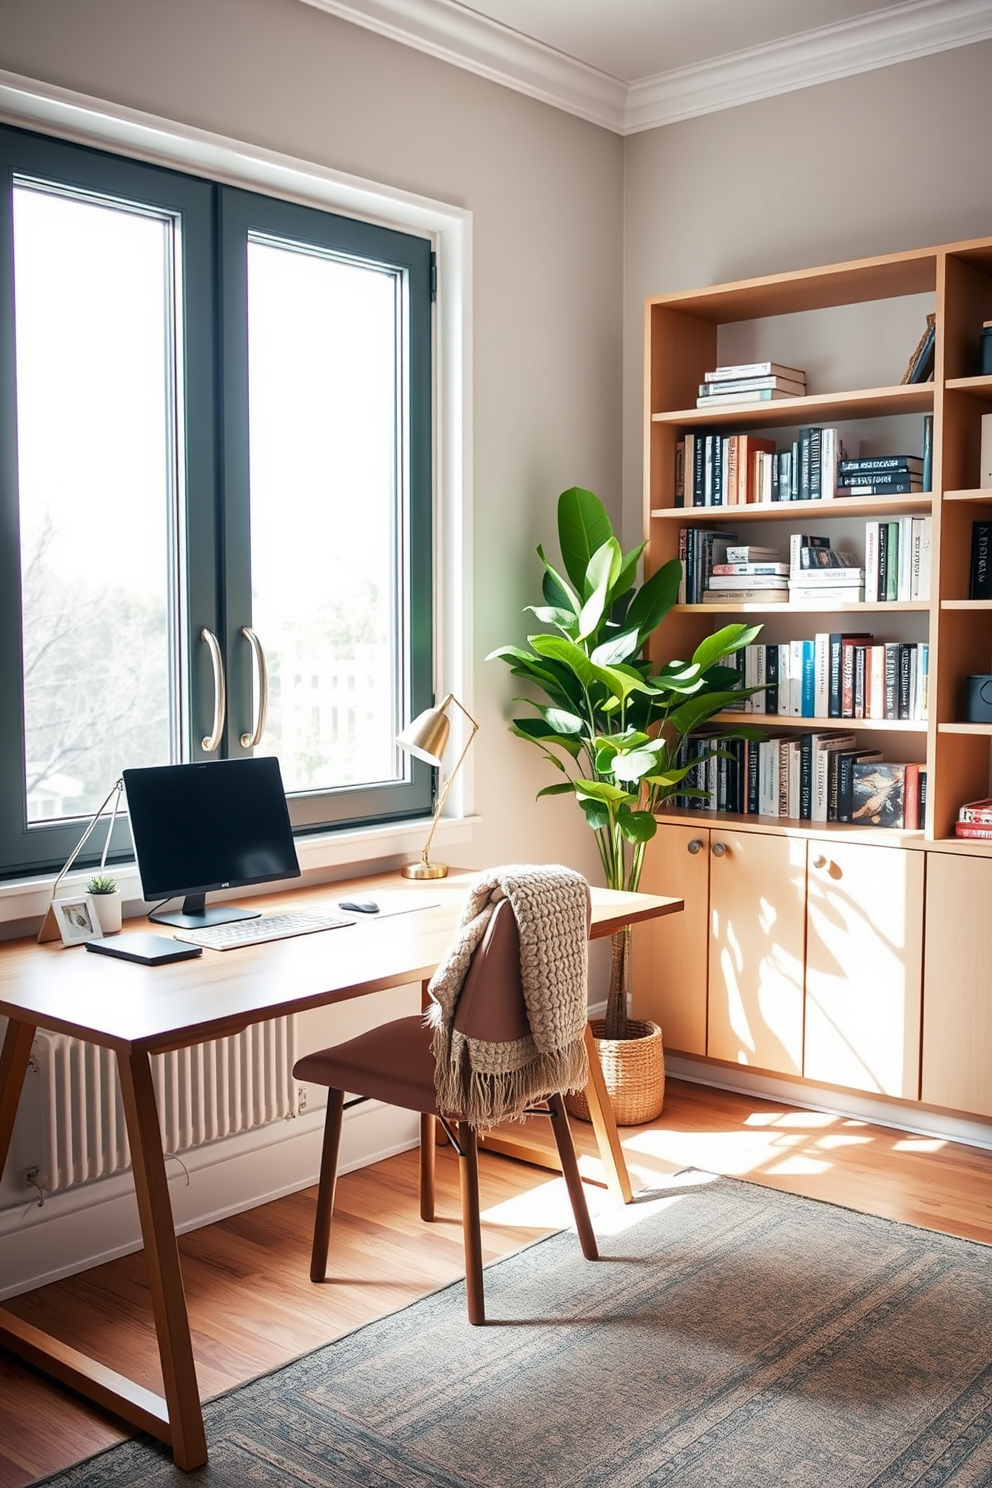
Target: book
{"points": [[758, 395], [919, 368], [749, 384], [871, 562], [736, 372], [740, 581], [750, 553], [911, 798], [928, 452], [827, 565], [885, 484], [878, 793], [756, 569], [842, 787], [825, 594], [978, 812], [835, 643], [746, 596], [980, 579], [800, 540], [824, 746], [832, 453], [972, 830], [879, 464]]}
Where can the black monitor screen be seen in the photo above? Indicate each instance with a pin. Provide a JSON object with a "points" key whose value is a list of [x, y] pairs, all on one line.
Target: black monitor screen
{"points": [[216, 825]]}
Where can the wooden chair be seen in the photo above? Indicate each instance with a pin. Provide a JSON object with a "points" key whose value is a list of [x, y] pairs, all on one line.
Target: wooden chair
{"points": [[394, 1064]]}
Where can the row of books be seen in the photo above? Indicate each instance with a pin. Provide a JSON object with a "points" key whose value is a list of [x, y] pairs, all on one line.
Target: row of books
{"points": [[837, 674], [716, 569], [749, 383], [819, 776], [715, 469]]}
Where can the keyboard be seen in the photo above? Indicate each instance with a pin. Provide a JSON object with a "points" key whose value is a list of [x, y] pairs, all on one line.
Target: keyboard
{"points": [[265, 927]]}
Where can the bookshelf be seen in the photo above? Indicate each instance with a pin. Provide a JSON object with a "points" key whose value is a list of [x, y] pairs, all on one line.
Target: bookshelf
{"points": [[851, 327]]}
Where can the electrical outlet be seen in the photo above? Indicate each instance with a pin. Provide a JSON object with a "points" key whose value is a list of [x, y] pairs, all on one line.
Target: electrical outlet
{"points": [[301, 1098]]}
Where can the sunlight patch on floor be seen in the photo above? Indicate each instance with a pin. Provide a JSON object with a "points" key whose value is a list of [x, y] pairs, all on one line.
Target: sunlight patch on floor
{"points": [[737, 1152], [919, 1144], [837, 1140]]}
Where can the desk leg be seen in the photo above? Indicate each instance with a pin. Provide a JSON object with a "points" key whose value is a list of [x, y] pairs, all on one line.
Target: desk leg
{"points": [[13, 1067], [604, 1124], [189, 1443]]}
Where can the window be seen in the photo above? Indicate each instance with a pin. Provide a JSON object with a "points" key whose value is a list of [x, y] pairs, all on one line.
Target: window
{"points": [[215, 426]]}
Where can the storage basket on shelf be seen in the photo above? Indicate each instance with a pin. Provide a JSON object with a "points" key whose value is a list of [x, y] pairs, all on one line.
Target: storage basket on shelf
{"points": [[634, 1070]]}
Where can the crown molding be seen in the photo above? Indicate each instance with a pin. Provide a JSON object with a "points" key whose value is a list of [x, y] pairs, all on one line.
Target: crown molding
{"points": [[449, 31], [466, 39], [899, 34]]}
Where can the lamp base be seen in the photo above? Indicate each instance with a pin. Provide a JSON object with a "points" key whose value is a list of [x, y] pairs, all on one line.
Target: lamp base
{"points": [[424, 869]]}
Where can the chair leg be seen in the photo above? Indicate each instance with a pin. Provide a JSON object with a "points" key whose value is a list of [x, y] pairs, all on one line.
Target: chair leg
{"points": [[570, 1172], [328, 1181], [468, 1172], [428, 1149]]}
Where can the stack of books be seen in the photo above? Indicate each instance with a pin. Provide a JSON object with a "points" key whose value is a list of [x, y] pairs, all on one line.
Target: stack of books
{"points": [[883, 475], [975, 819], [897, 559], [885, 794], [750, 383], [820, 575], [760, 577]]}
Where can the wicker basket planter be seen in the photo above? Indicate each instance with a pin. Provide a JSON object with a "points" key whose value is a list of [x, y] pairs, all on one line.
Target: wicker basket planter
{"points": [[634, 1070]]}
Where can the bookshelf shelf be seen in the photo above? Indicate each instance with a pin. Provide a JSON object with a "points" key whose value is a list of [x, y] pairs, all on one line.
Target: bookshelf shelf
{"points": [[976, 387], [794, 511], [966, 604], [907, 606], [868, 403], [980, 494], [789, 721], [979, 730]]}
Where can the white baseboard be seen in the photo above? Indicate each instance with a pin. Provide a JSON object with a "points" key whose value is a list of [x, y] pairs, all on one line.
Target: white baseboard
{"points": [[93, 1223]]}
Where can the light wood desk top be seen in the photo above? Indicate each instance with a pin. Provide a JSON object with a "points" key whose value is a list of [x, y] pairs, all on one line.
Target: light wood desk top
{"points": [[139, 1010]]}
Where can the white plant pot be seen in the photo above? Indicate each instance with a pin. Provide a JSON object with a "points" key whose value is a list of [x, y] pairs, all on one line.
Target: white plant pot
{"points": [[108, 908]]}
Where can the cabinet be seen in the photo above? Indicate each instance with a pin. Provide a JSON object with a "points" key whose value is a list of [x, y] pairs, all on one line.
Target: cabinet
{"points": [[838, 1000], [957, 1007], [725, 977]]}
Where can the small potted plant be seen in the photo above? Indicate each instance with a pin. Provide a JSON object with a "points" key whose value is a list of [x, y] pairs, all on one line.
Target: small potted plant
{"points": [[614, 727], [107, 896]]}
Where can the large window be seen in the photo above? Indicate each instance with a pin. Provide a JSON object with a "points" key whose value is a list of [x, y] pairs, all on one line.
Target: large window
{"points": [[215, 436]]}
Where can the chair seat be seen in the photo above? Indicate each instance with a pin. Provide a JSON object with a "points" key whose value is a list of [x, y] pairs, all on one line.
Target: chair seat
{"points": [[392, 1063]]}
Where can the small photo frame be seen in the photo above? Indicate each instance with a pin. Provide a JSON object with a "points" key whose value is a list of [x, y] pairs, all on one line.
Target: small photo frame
{"points": [[77, 919]]}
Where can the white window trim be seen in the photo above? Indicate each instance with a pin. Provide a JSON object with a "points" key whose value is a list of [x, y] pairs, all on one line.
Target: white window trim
{"points": [[92, 121]]}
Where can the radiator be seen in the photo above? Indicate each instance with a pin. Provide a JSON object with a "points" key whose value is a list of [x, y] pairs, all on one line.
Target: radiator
{"points": [[204, 1093]]}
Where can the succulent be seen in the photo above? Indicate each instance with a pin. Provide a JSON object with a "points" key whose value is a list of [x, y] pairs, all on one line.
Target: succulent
{"points": [[102, 883]]}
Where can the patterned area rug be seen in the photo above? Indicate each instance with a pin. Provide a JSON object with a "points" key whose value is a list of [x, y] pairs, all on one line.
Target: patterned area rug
{"points": [[731, 1337]]}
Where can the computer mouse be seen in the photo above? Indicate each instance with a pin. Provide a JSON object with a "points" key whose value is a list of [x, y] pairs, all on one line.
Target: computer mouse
{"points": [[360, 906]]}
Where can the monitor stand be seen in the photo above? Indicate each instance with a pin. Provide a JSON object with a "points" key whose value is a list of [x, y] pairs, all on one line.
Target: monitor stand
{"points": [[194, 914]]}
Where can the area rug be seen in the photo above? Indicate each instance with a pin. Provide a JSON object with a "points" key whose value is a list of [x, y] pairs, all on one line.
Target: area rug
{"points": [[730, 1337]]}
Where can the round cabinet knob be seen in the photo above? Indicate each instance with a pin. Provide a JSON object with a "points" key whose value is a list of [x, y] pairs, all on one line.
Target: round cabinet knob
{"points": [[819, 861], [694, 846], [719, 848]]}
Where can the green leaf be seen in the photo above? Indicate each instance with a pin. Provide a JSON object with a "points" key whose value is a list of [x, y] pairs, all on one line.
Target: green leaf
{"points": [[617, 648], [655, 598], [565, 597], [595, 587], [562, 722], [627, 574], [583, 527], [559, 648], [548, 615], [536, 731], [601, 790], [565, 789], [595, 813], [637, 826], [696, 710], [723, 642], [636, 765]]}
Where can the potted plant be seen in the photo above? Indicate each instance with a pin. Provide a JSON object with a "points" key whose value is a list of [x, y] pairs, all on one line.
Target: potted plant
{"points": [[107, 895], [609, 723]]}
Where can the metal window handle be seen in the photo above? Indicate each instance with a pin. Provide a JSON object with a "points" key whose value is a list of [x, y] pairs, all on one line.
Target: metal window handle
{"points": [[249, 741], [718, 849], [694, 846], [212, 740]]}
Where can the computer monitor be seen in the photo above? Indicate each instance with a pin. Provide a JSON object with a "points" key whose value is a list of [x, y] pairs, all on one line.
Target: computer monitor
{"points": [[215, 825]]}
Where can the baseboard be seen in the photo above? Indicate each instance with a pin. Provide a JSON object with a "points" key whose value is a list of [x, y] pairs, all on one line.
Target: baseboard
{"points": [[97, 1222], [921, 1121]]}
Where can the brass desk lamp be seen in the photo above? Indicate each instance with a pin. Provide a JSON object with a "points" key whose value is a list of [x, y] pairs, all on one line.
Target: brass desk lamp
{"points": [[426, 738]]}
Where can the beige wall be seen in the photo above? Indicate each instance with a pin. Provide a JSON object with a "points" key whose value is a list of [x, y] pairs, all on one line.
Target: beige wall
{"points": [[545, 190], [887, 160]]}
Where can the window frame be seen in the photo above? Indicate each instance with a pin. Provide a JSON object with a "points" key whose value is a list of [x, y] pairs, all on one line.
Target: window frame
{"points": [[129, 135]]}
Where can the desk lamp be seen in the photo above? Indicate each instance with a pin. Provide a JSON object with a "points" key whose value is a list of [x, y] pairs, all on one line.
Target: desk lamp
{"points": [[426, 738]]}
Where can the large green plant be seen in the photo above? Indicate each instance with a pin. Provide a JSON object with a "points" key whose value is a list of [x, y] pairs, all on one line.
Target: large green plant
{"points": [[611, 725]]}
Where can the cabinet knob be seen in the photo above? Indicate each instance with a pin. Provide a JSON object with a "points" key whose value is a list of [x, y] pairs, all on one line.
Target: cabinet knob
{"points": [[819, 861], [694, 846], [718, 849]]}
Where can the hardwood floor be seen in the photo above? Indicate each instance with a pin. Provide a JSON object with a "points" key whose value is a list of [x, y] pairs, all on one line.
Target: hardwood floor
{"points": [[252, 1306]]}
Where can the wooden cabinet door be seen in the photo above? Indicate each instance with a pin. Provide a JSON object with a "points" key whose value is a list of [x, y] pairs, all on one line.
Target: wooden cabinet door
{"points": [[669, 954], [957, 1007], [757, 927], [864, 967]]}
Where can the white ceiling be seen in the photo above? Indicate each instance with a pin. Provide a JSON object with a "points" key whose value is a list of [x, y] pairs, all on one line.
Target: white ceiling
{"points": [[637, 64]]}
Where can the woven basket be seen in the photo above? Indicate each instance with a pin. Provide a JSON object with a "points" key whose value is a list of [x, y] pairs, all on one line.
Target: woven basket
{"points": [[634, 1070]]}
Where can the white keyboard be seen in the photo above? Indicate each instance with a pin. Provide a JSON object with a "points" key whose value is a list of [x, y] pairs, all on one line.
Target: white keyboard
{"points": [[264, 927]]}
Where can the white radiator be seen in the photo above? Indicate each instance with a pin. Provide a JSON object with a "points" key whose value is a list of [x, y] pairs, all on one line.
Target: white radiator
{"points": [[203, 1093]]}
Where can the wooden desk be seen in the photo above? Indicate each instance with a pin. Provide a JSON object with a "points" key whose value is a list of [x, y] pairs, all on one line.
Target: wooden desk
{"points": [[142, 1010]]}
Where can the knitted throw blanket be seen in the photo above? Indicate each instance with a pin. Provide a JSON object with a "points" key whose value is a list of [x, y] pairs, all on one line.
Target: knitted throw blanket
{"points": [[484, 1083]]}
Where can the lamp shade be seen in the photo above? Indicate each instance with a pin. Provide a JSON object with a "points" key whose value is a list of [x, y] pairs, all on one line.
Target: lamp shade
{"points": [[427, 736]]}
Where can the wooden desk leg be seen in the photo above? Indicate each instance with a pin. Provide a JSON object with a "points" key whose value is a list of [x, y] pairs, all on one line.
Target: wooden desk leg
{"points": [[189, 1442], [13, 1068], [605, 1126]]}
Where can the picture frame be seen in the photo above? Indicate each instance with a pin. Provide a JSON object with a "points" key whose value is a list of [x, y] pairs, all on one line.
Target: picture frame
{"points": [[77, 919]]}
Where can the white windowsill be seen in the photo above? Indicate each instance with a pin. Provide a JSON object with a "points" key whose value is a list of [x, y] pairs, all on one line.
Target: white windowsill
{"points": [[329, 855]]}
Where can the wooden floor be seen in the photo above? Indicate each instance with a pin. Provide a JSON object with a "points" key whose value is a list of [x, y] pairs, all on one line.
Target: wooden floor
{"points": [[252, 1306]]}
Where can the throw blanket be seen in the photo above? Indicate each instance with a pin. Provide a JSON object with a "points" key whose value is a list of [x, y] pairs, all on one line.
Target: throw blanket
{"points": [[485, 1083]]}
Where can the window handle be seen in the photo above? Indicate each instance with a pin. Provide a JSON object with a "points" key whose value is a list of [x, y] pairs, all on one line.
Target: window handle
{"points": [[249, 741], [212, 741]]}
